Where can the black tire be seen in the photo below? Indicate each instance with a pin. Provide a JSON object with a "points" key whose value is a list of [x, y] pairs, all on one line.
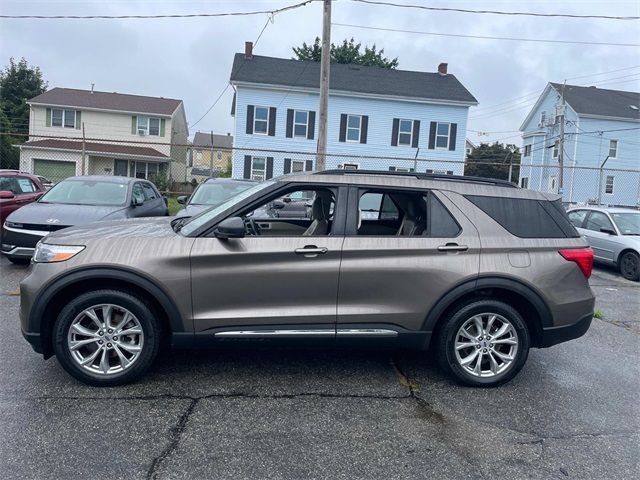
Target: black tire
{"points": [[446, 354], [629, 265], [151, 329], [19, 261]]}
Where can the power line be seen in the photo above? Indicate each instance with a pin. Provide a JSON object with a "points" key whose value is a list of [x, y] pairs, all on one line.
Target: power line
{"points": [[483, 37], [495, 12], [147, 17]]}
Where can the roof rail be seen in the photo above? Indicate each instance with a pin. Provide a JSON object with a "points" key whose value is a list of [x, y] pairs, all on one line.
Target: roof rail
{"points": [[422, 176]]}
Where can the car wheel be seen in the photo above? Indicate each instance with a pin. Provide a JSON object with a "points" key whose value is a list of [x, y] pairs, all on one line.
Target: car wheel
{"points": [[106, 338], [630, 266], [19, 261], [483, 344]]}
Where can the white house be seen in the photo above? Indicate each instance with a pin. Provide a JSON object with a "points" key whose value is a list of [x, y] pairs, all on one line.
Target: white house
{"points": [[128, 135]]}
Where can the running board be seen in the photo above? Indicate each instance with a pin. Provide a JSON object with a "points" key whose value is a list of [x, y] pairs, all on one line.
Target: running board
{"points": [[326, 332]]}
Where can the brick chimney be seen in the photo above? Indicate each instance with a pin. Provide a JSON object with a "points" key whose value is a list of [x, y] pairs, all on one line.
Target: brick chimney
{"points": [[248, 50], [442, 68]]}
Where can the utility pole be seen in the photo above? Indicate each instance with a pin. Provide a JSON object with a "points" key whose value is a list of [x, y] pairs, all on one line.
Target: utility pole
{"points": [[211, 157], [561, 142], [325, 63], [83, 150]]}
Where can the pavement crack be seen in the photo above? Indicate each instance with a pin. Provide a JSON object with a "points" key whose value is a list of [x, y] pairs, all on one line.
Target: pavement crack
{"points": [[174, 437]]}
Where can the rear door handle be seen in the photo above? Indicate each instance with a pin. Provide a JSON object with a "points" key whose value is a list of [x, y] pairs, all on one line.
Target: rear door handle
{"points": [[311, 250], [452, 247]]}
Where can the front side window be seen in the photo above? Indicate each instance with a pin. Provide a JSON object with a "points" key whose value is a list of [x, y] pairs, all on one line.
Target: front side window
{"points": [[261, 120], [149, 192], [300, 123], [353, 128], [613, 148], [258, 168], [405, 132], [524, 182], [608, 187], [63, 118], [598, 221], [137, 193], [442, 135]]}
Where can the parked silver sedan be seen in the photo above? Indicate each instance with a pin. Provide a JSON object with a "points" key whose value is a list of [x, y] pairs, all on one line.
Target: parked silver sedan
{"points": [[614, 235]]}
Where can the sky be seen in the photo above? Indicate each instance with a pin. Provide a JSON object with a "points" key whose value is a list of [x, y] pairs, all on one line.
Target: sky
{"points": [[191, 59]]}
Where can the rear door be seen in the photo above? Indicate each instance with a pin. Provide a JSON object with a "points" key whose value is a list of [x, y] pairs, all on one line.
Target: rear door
{"points": [[604, 244], [396, 263]]}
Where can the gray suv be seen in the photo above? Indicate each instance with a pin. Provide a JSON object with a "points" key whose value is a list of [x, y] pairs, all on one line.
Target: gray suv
{"points": [[477, 269]]}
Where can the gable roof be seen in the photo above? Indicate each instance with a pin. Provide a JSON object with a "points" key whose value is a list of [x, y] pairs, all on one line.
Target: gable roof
{"points": [[71, 97], [600, 101], [350, 78], [203, 139]]}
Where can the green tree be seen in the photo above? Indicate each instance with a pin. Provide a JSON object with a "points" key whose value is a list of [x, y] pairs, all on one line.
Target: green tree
{"points": [[18, 83], [493, 160], [347, 52]]}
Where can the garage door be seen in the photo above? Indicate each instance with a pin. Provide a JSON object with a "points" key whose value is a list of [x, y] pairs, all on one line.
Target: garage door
{"points": [[54, 170]]}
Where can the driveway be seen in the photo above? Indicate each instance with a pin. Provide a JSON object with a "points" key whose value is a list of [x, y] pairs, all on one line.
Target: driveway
{"points": [[573, 411]]}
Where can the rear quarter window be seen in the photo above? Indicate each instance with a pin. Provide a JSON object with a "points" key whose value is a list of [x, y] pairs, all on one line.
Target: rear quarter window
{"points": [[527, 218]]}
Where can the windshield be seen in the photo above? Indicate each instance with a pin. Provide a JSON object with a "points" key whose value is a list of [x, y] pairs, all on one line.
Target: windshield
{"points": [[217, 193], [87, 192], [627, 223], [199, 220]]}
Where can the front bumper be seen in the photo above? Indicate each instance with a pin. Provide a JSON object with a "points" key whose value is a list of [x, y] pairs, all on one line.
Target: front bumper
{"points": [[20, 243], [564, 333]]}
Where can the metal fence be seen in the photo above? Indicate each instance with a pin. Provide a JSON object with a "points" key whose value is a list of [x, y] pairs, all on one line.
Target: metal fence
{"points": [[181, 167]]}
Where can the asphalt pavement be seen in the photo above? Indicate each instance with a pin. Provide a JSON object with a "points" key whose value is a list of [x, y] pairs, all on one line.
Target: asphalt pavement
{"points": [[573, 411]]}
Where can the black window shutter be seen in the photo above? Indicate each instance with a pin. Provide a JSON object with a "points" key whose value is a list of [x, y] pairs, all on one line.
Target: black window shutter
{"points": [[287, 165], [289, 123], [416, 133], [452, 136], [312, 125], [308, 165], [392, 169], [394, 132], [343, 127], [272, 121], [269, 173], [250, 109], [364, 128], [247, 166], [432, 135]]}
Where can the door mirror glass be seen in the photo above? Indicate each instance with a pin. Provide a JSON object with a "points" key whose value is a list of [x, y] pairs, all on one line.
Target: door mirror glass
{"points": [[182, 199], [6, 194], [230, 228], [607, 230]]}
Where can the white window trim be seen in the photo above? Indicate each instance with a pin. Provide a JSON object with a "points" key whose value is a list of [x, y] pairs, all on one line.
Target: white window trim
{"points": [[147, 129], [306, 125], [346, 132], [617, 145], [357, 165], [401, 132], [255, 119], [606, 183], [64, 116], [448, 136], [302, 162], [264, 170]]}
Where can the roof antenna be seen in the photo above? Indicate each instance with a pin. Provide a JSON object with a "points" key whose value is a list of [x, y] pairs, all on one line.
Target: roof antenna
{"points": [[92, 88]]}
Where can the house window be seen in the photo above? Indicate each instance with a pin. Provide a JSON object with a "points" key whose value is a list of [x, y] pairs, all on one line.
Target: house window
{"points": [[261, 121], [297, 166], [527, 151], [442, 135], [543, 119], [350, 166], [300, 123], [63, 118], [401, 169], [608, 186], [258, 168], [354, 123], [148, 126], [405, 132], [556, 149], [613, 148], [144, 170], [552, 183], [524, 182]]}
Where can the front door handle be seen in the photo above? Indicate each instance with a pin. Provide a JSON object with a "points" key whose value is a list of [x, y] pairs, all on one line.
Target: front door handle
{"points": [[311, 251], [452, 247]]}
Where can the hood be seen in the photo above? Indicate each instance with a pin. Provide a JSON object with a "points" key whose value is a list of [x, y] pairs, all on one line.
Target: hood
{"points": [[61, 214], [191, 210], [128, 228]]}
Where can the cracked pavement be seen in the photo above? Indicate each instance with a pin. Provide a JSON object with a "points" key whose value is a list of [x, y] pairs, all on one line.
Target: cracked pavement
{"points": [[289, 414]]}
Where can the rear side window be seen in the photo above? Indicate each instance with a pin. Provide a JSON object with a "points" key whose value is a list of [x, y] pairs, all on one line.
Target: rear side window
{"points": [[526, 218]]}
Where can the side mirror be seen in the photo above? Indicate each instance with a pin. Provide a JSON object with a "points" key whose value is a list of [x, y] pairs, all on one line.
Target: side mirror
{"points": [[277, 205], [136, 202], [182, 199], [286, 199], [6, 195], [608, 230], [230, 228]]}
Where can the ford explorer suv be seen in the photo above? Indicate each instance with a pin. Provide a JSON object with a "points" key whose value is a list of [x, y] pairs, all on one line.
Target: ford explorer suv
{"points": [[479, 270]]}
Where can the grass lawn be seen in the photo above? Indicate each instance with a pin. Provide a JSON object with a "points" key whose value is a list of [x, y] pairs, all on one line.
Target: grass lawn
{"points": [[174, 206]]}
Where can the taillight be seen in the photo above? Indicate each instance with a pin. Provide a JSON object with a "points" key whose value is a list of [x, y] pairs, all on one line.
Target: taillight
{"points": [[582, 256]]}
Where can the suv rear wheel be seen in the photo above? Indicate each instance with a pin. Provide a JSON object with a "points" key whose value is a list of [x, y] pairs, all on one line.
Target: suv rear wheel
{"points": [[484, 343], [106, 338]]}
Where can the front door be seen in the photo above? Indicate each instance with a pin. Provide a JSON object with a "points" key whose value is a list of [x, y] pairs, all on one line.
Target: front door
{"points": [[602, 243]]}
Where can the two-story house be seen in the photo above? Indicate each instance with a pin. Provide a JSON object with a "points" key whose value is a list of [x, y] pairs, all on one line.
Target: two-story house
{"points": [[210, 153], [601, 127], [378, 118], [129, 135]]}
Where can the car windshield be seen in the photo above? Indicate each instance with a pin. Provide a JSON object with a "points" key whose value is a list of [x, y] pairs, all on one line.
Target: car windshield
{"points": [[217, 192], [198, 220], [87, 192], [627, 223]]}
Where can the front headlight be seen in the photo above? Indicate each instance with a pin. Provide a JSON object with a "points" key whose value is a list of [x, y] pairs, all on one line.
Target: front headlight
{"points": [[47, 253]]}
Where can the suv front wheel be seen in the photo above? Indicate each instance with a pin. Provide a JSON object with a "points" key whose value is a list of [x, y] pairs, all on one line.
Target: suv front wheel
{"points": [[106, 338], [484, 343]]}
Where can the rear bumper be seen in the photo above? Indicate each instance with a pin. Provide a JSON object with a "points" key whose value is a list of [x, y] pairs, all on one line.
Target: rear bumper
{"points": [[554, 335]]}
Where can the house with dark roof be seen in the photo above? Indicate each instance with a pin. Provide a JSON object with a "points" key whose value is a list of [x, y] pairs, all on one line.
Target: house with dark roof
{"points": [[601, 131], [129, 135], [210, 154], [396, 115]]}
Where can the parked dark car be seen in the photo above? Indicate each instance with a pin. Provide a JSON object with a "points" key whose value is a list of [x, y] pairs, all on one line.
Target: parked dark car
{"points": [[211, 193], [76, 201], [16, 190]]}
